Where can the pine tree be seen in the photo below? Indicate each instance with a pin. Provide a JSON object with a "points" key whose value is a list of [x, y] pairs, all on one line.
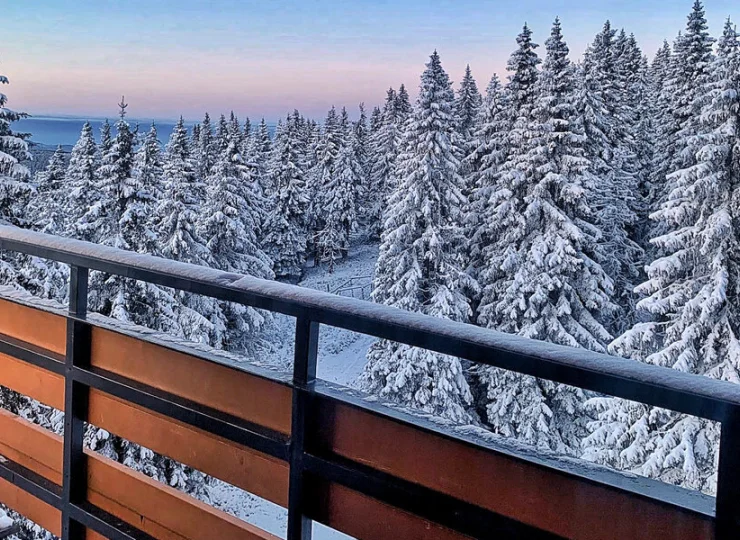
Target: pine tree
{"points": [[482, 164], [319, 179], [179, 238], [360, 141], [285, 237], [257, 158], [82, 180], [417, 268], [15, 186], [467, 105], [502, 182], [45, 211], [230, 226], [384, 147], [402, 105], [690, 298], [206, 152], [613, 165], [550, 286], [147, 175], [195, 137], [375, 120]]}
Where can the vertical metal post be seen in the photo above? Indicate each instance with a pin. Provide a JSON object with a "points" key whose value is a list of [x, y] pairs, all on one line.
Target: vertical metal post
{"points": [[304, 376], [76, 397], [727, 524]]}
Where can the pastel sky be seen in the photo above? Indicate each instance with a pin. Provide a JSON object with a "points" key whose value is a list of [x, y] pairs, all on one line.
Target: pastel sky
{"points": [[263, 58]]}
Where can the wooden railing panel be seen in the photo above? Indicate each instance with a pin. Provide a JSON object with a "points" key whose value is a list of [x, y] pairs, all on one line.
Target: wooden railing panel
{"points": [[32, 381], [24, 503], [248, 469], [149, 505], [554, 501], [41, 328], [31, 446], [157, 509], [240, 394], [369, 519]]}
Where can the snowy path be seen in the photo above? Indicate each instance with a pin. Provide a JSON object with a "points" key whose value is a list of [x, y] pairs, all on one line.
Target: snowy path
{"points": [[341, 360]]}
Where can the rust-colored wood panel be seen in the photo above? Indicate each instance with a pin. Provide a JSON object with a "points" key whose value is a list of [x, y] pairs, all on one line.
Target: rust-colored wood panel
{"points": [[42, 328], [239, 465], [112, 486], [158, 509], [29, 506], [550, 500], [33, 381], [31, 446], [366, 518], [251, 398]]}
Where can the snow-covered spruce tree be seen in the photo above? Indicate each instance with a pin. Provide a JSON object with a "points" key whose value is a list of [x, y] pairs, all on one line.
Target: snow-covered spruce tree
{"points": [[285, 238], [690, 300], [360, 141], [418, 268], [46, 212], [15, 186], [319, 178], [504, 185], [482, 165], [661, 119], [256, 157], [82, 183], [402, 105], [234, 131], [179, 239], [635, 131], [384, 151], [121, 219], [697, 53], [195, 139], [247, 133], [375, 119], [205, 153], [613, 166], [230, 225], [222, 138], [332, 242], [467, 107], [684, 81], [549, 287], [147, 174]]}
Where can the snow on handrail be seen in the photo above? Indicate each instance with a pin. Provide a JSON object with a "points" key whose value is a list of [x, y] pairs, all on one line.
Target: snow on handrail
{"points": [[629, 379]]}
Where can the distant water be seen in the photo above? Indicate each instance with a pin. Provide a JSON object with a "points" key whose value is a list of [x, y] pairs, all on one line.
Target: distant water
{"points": [[51, 131]]}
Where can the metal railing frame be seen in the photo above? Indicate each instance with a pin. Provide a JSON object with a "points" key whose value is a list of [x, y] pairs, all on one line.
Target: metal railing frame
{"points": [[651, 385]]}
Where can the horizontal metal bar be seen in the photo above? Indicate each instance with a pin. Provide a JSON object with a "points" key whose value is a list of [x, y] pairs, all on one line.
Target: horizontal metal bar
{"points": [[652, 385], [31, 482], [9, 531], [31, 354], [442, 509], [191, 413], [104, 523]]}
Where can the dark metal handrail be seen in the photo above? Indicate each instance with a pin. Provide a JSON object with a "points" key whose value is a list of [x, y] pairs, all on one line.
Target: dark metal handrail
{"points": [[628, 379]]}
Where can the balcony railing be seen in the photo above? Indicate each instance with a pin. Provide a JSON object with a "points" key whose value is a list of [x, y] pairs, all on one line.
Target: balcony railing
{"points": [[324, 454]]}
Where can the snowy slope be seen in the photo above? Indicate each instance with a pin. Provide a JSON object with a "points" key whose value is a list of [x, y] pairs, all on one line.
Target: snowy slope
{"points": [[341, 353]]}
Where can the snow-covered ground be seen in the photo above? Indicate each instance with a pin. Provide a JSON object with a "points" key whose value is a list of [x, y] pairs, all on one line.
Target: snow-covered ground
{"points": [[341, 360], [341, 353]]}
